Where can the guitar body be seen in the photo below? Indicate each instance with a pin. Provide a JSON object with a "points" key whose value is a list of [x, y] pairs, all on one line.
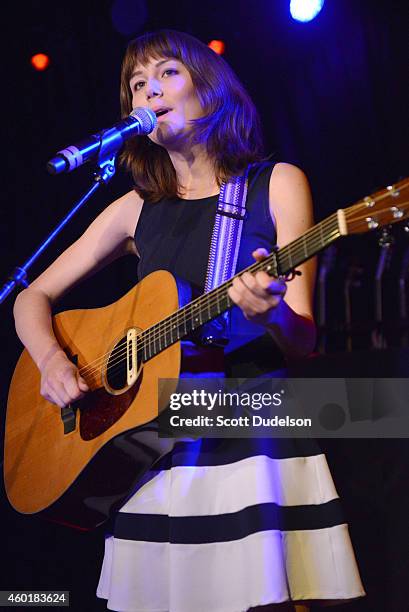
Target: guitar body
{"points": [[79, 476]]}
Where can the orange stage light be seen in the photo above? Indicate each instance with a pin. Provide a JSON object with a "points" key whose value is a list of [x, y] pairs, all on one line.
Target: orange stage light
{"points": [[40, 61], [218, 46]]}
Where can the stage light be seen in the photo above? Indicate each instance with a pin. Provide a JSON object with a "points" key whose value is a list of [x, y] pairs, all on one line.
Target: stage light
{"points": [[305, 10], [40, 61], [217, 46]]}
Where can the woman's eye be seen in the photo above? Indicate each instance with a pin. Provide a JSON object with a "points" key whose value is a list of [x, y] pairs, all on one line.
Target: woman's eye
{"points": [[139, 84]]}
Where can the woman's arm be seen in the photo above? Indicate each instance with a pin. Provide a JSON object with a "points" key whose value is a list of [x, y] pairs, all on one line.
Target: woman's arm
{"points": [[288, 319], [110, 236]]}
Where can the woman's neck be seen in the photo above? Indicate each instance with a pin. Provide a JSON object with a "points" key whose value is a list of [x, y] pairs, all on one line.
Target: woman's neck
{"points": [[195, 173]]}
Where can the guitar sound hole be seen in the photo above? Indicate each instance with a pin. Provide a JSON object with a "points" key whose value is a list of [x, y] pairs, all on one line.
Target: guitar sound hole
{"points": [[116, 373]]}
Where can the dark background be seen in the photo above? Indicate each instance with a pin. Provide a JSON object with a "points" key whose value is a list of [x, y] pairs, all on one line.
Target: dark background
{"points": [[332, 95]]}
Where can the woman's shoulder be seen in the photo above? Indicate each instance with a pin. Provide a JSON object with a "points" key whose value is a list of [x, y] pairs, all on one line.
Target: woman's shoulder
{"points": [[290, 196], [287, 176], [275, 172], [129, 200], [124, 212], [287, 180], [286, 171]]}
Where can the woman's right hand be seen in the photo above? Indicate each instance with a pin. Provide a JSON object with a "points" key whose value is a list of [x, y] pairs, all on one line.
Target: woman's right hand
{"points": [[61, 382]]}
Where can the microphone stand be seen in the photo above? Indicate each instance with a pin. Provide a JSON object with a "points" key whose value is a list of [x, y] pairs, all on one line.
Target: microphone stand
{"points": [[102, 175]]}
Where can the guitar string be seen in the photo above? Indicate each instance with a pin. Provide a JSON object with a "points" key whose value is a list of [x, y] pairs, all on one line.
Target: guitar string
{"points": [[185, 310], [149, 338], [152, 337], [160, 326], [114, 365], [152, 334]]}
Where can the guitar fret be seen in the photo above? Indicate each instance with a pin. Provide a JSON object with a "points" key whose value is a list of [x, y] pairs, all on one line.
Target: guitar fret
{"points": [[139, 355], [195, 318], [162, 338], [224, 303], [290, 259], [330, 236], [168, 337], [181, 330], [209, 309], [148, 350], [218, 307], [322, 240], [175, 333], [304, 241]]}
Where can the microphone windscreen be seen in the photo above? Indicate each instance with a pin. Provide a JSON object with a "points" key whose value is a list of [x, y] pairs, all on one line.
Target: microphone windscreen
{"points": [[146, 118]]}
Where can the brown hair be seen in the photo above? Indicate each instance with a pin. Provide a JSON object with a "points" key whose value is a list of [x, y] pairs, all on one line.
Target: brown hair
{"points": [[230, 125]]}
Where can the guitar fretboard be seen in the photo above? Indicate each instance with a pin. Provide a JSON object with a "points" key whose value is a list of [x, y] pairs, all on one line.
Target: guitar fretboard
{"points": [[209, 305]]}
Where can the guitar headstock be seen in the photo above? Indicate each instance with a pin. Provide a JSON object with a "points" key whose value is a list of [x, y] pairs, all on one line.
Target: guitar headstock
{"points": [[384, 207]]}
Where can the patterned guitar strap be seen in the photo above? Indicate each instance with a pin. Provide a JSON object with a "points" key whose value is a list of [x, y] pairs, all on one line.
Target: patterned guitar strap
{"points": [[224, 250]]}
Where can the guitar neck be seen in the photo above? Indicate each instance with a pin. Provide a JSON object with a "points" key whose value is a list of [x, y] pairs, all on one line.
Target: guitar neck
{"points": [[209, 305]]}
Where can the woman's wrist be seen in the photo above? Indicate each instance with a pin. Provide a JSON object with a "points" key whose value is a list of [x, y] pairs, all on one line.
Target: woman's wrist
{"points": [[277, 316], [53, 350]]}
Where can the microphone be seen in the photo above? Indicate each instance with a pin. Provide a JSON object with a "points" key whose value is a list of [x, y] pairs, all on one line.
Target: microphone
{"points": [[140, 122]]}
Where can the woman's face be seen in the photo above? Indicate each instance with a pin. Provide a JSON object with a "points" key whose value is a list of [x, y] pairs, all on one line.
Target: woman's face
{"points": [[165, 86]]}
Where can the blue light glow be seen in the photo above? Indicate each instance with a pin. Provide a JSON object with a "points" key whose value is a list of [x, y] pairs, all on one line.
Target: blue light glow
{"points": [[305, 10]]}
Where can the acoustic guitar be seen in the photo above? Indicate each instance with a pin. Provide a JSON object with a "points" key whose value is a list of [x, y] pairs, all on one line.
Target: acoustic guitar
{"points": [[77, 464]]}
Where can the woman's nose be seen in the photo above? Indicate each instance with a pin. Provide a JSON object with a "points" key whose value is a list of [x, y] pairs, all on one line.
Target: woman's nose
{"points": [[153, 89]]}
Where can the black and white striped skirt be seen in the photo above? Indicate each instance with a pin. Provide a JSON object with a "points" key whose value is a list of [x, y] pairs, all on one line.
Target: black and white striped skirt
{"points": [[225, 525]]}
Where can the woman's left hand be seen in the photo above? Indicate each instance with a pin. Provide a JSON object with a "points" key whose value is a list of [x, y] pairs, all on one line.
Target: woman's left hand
{"points": [[258, 295]]}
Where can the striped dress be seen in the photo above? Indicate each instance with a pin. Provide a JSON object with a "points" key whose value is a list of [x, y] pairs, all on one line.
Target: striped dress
{"points": [[224, 525]]}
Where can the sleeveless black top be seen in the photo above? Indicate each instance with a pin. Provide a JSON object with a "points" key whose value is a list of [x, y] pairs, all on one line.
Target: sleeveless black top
{"points": [[174, 235]]}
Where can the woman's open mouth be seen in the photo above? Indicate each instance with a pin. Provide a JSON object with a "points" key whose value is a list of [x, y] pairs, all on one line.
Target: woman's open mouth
{"points": [[162, 112]]}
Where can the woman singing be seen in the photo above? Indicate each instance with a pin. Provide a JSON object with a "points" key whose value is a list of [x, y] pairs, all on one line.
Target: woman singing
{"points": [[217, 525]]}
